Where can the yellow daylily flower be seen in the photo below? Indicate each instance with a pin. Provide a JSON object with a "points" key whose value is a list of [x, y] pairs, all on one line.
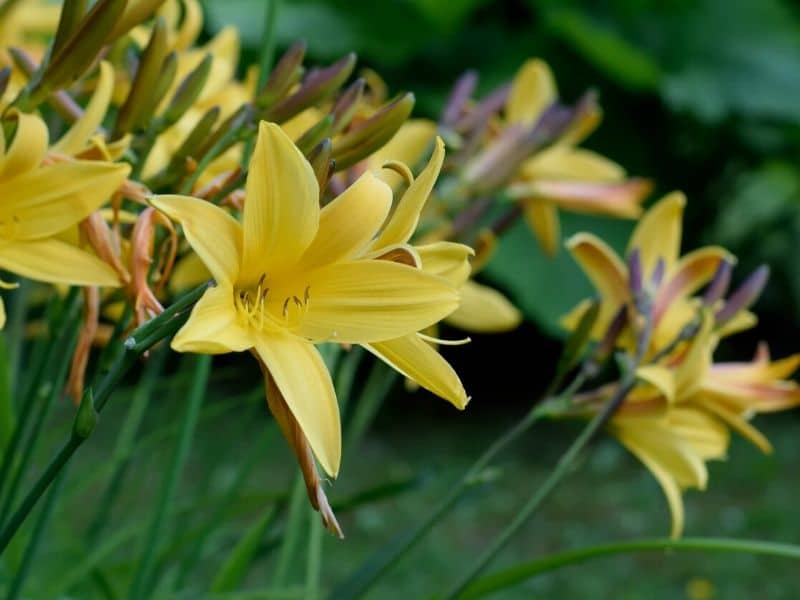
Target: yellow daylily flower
{"points": [[292, 275], [657, 237], [41, 202], [680, 413], [563, 176], [674, 447]]}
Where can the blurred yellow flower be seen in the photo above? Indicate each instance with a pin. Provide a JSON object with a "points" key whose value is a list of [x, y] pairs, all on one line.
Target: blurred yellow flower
{"points": [[42, 201], [292, 275], [563, 176]]}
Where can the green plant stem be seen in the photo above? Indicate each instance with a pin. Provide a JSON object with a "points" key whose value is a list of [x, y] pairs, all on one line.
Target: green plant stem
{"points": [[162, 325], [519, 573], [562, 468], [50, 391], [376, 566], [145, 577], [314, 560], [36, 537], [297, 513], [265, 60]]}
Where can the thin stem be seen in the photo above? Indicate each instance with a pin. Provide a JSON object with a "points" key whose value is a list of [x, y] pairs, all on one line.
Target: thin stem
{"points": [[314, 560], [153, 331], [357, 585], [145, 576], [36, 536], [517, 574], [297, 513], [562, 468]]}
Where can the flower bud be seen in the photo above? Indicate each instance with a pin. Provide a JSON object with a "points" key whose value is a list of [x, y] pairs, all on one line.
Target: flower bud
{"points": [[462, 91], [318, 85], [317, 133], [188, 91], [71, 14], [370, 135], [744, 296], [320, 160], [86, 417], [346, 106], [285, 74]]}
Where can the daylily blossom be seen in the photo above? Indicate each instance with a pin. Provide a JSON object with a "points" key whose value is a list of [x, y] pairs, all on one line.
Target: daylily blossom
{"points": [[657, 239], [292, 275], [41, 202], [564, 176]]}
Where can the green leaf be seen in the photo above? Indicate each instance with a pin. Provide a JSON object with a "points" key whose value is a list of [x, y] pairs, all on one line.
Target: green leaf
{"points": [[606, 49], [235, 567]]}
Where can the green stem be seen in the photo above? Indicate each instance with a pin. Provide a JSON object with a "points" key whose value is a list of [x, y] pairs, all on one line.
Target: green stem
{"points": [[145, 577], [363, 579], [154, 330], [36, 536], [562, 468], [517, 574], [298, 510], [265, 59], [314, 560]]}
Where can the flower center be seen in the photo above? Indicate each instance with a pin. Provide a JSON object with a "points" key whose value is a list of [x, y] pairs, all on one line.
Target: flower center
{"points": [[273, 305]]}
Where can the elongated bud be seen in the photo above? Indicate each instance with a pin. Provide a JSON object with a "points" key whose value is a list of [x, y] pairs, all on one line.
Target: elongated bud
{"points": [[5, 77], [494, 166], [71, 14], [169, 69], [490, 105], [456, 103], [196, 138], [144, 84], [635, 275], [370, 135], [346, 106], [80, 357], [188, 91], [320, 160], [318, 85], [286, 73], [744, 296], [609, 340], [576, 344], [86, 418], [77, 53], [658, 274], [136, 12], [317, 133], [719, 284]]}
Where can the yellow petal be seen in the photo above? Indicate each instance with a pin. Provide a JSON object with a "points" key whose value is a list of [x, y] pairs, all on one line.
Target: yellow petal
{"points": [[707, 435], [671, 490], [568, 163], [214, 235], [420, 362], [532, 91], [658, 234], [542, 218], [55, 261], [190, 271], [77, 137], [373, 300], [214, 327], [484, 310], [281, 210], [404, 221], [741, 321], [696, 362], [659, 377], [446, 259], [45, 201], [407, 146], [26, 150], [305, 383], [348, 224], [738, 423]]}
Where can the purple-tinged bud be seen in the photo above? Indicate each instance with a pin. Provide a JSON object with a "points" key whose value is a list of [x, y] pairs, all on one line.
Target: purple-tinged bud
{"points": [[657, 276], [315, 134], [605, 348], [346, 105], [320, 160], [497, 163], [188, 91], [286, 73], [719, 284], [744, 296], [318, 85], [635, 276], [5, 77], [461, 93], [487, 107]]}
